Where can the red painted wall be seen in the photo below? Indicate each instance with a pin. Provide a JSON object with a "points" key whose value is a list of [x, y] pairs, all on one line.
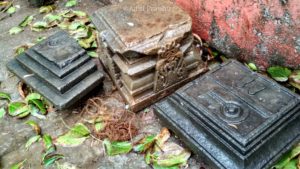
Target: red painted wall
{"points": [[266, 32]]}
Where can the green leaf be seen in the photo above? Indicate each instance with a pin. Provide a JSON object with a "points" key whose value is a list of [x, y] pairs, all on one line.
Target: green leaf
{"points": [[24, 114], [17, 108], [145, 144], [75, 25], [11, 10], [49, 160], [93, 54], [36, 99], [27, 20], [172, 160], [50, 18], [32, 140], [115, 148], [40, 24], [35, 126], [252, 66], [4, 96], [70, 140], [156, 166], [33, 96], [291, 164], [71, 3], [2, 112], [21, 49], [294, 79], [40, 39], [48, 143], [40, 105], [76, 136], [148, 156], [47, 9], [280, 74], [36, 112], [15, 30], [287, 157], [18, 165], [80, 13]]}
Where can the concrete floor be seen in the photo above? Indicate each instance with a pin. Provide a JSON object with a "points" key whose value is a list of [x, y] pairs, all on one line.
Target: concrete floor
{"points": [[14, 133]]}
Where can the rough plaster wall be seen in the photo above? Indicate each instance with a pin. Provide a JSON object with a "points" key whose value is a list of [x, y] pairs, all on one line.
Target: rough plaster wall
{"points": [[263, 31]]}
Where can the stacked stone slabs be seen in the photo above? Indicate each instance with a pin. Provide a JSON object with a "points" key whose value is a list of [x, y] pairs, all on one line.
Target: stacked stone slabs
{"points": [[59, 69], [234, 118]]}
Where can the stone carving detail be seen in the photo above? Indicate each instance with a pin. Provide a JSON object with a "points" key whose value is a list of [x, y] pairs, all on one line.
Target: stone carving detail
{"points": [[170, 67]]}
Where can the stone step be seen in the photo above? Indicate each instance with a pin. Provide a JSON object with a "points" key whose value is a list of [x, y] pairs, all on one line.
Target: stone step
{"points": [[60, 84], [53, 68], [60, 101]]}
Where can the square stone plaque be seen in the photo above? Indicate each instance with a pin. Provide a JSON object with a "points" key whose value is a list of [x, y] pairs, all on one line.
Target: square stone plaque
{"points": [[234, 118], [59, 69]]}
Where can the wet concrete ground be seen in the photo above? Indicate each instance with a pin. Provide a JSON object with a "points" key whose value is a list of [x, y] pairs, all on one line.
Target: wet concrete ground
{"points": [[14, 133]]}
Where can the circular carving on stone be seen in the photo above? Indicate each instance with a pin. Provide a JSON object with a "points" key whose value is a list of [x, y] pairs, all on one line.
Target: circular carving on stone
{"points": [[55, 42], [232, 112]]}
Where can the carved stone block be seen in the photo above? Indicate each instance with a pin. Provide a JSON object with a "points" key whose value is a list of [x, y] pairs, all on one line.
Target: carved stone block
{"points": [[234, 118], [148, 49], [59, 69]]}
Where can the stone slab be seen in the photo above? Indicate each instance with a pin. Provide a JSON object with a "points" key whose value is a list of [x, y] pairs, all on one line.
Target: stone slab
{"points": [[234, 118], [53, 68], [60, 84], [163, 21], [59, 100], [60, 49]]}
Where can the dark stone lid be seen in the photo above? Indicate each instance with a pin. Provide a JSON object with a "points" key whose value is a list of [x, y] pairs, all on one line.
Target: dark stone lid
{"points": [[238, 104]]}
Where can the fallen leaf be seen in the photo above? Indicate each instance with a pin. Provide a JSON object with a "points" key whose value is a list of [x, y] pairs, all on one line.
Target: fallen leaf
{"points": [[162, 137], [172, 154], [280, 74], [156, 166], [4, 96], [21, 49], [11, 10], [35, 126], [48, 143], [80, 13], [32, 140], [36, 99], [93, 54], [51, 159], [287, 157], [2, 112], [50, 18], [116, 148], [15, 30], [294, 79], [145, 144], [71, 3], [18, 165], [39, 26], [36, 112], [47, 9], [4, 3], [17, 108], [252, 66], [40, 39], [27, 20], [76, 136]]}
